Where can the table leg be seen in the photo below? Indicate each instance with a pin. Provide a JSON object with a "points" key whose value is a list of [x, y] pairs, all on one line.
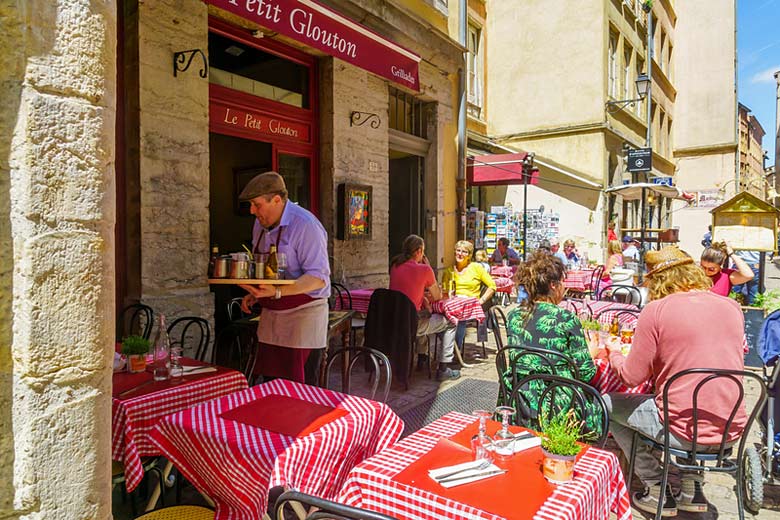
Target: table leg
{"points": [[345, 334]]}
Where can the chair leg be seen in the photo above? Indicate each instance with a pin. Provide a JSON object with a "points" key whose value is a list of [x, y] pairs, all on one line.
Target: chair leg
{"points": [[664, 481], [740, 476], [631, 459]]}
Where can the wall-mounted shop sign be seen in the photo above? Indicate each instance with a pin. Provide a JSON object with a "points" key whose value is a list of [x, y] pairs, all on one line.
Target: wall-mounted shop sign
{"points": [[640, 160], [320, 27], [247, 122]]}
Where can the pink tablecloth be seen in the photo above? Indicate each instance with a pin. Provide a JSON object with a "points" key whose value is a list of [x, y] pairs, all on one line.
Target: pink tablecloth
{"points": [[597, 489], [460, 308], [605, 381], [134, 417], [235, 464], [502, 271], [578, 280], [504, 285], [604, 311], [360, 300]]}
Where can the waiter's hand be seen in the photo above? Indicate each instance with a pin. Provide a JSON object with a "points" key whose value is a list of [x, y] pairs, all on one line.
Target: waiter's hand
{"points": [[258, 291], [247, 302]]}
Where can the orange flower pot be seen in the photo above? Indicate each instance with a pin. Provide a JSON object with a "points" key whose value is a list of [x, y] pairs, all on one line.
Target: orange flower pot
{"points": [[136, 363], [558, 469]]}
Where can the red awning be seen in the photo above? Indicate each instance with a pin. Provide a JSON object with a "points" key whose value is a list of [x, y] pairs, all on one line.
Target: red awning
{"points": [[498, 169]]}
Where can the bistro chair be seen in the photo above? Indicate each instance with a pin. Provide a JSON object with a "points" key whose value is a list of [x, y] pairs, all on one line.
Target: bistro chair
{"points": [[556, 395], [391, 327], [309, 507], [622, 294], [136, 319], [725, 459], [179, 513], [546, 361], [193, 332], [376, 363], [234, 310], [344, 298], [499, 320], [595, 281], [149, 465], [236, 347]]}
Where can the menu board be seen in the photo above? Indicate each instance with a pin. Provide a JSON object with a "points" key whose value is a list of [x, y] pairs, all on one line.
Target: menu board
{"points": [[758, 237]]}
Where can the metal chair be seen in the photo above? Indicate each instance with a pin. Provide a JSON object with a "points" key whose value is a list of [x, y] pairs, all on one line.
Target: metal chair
{"points": [[499, 320], [379, 368], [622, 294], [557, 395], [236, 347], [595, 281], [342, 295], [137, 319], [309, 507], [391, 327], [234, 310], [149, 465], [182, 512], [725, 460], [550, 360], [193, 331]]}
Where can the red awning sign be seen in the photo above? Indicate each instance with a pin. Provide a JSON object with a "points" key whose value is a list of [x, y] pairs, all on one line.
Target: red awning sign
{"points": [[499, 170], [320, 27]]}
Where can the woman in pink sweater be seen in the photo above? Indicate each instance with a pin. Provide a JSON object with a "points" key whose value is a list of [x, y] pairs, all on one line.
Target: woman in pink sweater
{"points": [[684, 326]]}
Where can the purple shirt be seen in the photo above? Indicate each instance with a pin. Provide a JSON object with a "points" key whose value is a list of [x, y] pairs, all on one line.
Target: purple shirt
{"points": [[304, 242]]}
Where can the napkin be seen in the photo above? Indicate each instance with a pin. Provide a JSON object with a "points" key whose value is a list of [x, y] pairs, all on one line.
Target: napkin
{"points": [[525, 440], [471, 472], [191, 370]]}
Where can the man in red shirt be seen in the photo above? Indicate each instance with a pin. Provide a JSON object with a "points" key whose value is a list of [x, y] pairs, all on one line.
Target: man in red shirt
{"points": [[411, 274]]}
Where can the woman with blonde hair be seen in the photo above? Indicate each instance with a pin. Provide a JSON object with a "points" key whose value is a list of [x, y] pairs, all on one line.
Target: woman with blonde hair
{"points": [[684, 326], [715, 263]]}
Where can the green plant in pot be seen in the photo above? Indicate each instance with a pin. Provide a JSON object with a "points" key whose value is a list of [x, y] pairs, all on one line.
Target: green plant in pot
{"points": [[135, 348], [560, 436]]}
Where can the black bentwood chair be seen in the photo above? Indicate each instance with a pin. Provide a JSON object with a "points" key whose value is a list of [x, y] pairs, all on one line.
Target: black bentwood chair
{"points": [[236, 347], [549, 362], [137, 319], [391, 327], [191, 331], [375, 362], [309, 507], [558, 395], [724, 459], [341, 294], [622, 294]]}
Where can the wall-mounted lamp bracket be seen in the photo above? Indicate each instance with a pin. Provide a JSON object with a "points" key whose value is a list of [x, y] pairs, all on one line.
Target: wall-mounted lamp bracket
{"points": [[617, 106], [183, 59], [360, 118]]}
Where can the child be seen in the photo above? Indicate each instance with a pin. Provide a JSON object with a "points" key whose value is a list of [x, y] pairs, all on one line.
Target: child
{"points": [[481, 257]]}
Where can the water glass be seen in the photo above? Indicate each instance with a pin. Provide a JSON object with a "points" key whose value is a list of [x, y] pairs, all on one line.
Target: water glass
{"points": [[177, 370], [504, 412], [281, 265], [481, 444]]}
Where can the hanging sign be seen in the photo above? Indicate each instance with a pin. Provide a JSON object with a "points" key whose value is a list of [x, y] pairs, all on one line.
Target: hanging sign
{"points": [[252, 124], [640, 160], [317, 26]]}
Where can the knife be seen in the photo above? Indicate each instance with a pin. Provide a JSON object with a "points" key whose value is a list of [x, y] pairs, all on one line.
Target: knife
{"points": [[482, 465], [480, 475], [130, 391]]}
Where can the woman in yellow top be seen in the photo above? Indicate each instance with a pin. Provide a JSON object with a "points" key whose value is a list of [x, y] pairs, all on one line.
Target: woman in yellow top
{"points": [[469, 277]]}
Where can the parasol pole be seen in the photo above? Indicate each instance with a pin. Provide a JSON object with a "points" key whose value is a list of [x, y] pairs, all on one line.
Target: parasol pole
{"points": [[642, 228]]}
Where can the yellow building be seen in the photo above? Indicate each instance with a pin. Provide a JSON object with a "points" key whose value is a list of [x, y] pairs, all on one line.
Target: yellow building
{"points": [[751, 154]]}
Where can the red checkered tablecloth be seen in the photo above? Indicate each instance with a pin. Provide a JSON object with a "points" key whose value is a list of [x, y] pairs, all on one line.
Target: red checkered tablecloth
{"points": [[235, 464], [504, 285], [502, 271], [606, 381], [460, 308], [578, 280], [134, 417], [597, 489], [360, 300], [604, 311]]}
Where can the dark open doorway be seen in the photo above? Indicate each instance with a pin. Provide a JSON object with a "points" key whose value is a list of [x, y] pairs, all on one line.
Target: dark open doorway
{"points": [[407, 211]]}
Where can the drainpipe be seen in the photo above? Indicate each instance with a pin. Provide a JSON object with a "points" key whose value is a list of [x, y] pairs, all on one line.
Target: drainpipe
{"points": [[460, 186], [777, 133]]}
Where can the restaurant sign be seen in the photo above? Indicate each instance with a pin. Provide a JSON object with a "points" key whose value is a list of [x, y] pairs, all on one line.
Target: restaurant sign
{"points": [[315, 25], [251, 123]]}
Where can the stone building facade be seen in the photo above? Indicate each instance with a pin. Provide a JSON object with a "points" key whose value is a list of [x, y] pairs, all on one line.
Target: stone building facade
{"points": [[751, 153], [182, 164]]}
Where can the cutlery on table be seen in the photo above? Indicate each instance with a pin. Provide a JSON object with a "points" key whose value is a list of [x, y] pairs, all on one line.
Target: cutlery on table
{"points": [[478, 475], [482, 465]]}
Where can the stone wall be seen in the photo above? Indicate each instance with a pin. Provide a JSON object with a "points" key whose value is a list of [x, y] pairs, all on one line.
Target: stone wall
{"points": [[57, 61], [174, 160]]}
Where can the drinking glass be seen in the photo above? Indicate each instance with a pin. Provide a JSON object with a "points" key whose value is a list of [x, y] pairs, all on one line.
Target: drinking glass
{"points": [[481, 444], [281, 264], [504, 412], [177, 370]]}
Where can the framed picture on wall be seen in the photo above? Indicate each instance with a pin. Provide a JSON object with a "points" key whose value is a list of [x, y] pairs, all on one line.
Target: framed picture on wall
{"points": [[241, 177], [354, 210]]}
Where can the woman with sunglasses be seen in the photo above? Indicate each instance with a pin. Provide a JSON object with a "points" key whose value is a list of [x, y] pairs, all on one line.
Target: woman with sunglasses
{"points": [[715, 261]]}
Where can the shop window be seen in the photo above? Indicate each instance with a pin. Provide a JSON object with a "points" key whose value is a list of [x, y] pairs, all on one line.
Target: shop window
{"points": [[475, 71], [245, 68], [408, 114], [612, 65]]}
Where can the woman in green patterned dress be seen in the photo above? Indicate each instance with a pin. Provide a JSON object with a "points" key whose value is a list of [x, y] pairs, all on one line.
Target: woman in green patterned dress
{"points": [[541, 323]]}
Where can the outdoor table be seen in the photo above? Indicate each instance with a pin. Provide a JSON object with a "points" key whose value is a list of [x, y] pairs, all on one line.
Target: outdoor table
{"points": [[502, 271], [459, 308], [134, 414], [606, 381], [578, 280], [360, 300], [229, 448], [605, 311], [385, 484]]}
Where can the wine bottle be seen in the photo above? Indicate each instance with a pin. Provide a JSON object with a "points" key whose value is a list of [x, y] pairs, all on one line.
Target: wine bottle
{"points": [[213, 259], [162, 352], [272, 265]]}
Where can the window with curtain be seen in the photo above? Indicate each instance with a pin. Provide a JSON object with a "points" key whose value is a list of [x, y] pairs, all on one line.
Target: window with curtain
{"points": [[640, 68], [475, 70], [612, 65], [627, 91]]}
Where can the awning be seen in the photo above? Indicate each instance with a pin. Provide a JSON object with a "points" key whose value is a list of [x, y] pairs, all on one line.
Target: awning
{"points": [[318, 26], [498, 169], [634, 191]]}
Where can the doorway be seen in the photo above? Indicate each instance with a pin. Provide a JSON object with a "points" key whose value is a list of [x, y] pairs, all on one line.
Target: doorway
{"points": [[407, 196]]}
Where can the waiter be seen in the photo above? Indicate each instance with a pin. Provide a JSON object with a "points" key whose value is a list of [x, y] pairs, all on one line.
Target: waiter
{"points": [[294, 320]]}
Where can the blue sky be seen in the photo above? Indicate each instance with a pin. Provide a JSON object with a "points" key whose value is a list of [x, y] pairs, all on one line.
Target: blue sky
{"points": [[758, 55]]}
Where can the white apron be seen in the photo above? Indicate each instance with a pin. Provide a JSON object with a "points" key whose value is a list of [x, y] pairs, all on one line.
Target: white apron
{"points": [[302, 327]]}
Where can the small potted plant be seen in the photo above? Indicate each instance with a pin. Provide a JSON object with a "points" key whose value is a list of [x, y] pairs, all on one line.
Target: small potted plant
{"points": [[591, 329], [560, 447], [135, 348]]}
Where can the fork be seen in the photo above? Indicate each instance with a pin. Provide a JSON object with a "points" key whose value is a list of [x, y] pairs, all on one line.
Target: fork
{"points": [[482, 465]]}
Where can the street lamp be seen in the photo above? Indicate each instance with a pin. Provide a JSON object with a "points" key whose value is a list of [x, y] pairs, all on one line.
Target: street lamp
{"points": [[642, 88]]}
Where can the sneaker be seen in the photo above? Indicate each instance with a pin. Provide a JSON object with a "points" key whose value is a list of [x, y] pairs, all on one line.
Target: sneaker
{"points": [[447, 374], [691, 497], [647, 501]]}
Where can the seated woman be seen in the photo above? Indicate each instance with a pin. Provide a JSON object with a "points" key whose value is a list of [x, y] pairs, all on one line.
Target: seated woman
{"points": [[481, 257], [468, 278], [541, 323], [715, 262], [614, 259], [571, 252], [672, 335]]}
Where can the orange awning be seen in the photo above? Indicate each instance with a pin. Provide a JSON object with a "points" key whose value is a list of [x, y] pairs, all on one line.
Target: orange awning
{"points": [[498, 169]]}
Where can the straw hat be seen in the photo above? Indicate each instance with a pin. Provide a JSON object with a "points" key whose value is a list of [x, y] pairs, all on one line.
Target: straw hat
{"points": [[667, 257]]}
